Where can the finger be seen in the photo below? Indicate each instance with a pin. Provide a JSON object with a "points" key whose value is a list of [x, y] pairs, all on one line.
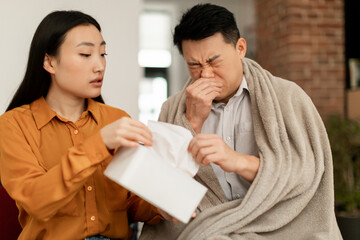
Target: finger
{"points": [[131, 122], [135, 134], [138, 124], [194, 150], [194, 142], [203, 153], [206, 81], [212, 157], [144, 137], [198, 137], [209, 91], [213, 94], [128, 143], [199, 148], [205, 145], [205, 88], [143, 127], [191, 144], [201, 86]]}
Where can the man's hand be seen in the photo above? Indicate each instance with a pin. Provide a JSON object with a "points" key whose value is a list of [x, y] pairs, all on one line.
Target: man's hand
{"points": [[210, 148], [199, 97]]}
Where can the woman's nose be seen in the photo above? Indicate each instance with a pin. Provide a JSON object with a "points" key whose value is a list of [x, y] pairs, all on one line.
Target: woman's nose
{"points": [[99, 65]]}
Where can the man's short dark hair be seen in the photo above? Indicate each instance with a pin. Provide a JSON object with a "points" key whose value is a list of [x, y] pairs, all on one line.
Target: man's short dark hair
{"points": [[205, 20]]}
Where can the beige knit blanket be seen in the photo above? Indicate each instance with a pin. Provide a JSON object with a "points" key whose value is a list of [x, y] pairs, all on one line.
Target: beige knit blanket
{"points": [[292, 194]]}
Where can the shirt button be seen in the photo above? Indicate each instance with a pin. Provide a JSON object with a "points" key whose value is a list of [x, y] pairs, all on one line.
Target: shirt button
{"points": [[228, 138], [89, 188], [92, 218], [237, 196], [76, 131]]}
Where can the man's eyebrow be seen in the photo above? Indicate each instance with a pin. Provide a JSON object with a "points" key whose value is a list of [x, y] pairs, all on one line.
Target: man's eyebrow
{"points": [[209, 60], [193, 63], [90, 44], [212, 58]]}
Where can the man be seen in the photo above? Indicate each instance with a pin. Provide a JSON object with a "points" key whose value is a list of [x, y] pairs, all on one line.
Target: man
{"points": [[263, 147]]}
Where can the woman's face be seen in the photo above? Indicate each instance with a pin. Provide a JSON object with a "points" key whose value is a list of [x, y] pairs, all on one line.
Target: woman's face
{"points": [[78, 69]]}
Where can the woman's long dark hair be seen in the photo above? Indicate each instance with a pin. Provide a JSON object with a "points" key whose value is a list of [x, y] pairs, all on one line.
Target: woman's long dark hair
{"points": [[47, 39]]}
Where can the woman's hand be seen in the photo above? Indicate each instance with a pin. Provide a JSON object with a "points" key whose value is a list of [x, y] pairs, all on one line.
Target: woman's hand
{"points": [[126, 132]]}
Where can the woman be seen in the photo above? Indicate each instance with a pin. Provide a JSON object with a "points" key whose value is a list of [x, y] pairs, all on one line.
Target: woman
{"points": [[57, 137]]}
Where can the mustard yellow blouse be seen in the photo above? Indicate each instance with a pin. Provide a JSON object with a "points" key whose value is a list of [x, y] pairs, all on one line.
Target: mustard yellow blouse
{"points": [[53, 168]]}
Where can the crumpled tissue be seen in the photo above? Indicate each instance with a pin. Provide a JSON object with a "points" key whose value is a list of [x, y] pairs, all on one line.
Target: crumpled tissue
{"points": [[161, 174]]}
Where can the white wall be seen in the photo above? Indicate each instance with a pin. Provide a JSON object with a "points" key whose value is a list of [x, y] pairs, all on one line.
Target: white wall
{"points": [[119, 21]]}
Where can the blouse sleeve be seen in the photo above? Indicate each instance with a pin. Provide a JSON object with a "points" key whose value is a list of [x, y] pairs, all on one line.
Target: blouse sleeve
{"points": [[141, 211], [31, 185]]}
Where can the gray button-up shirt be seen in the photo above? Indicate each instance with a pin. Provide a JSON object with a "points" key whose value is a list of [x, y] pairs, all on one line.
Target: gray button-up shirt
{"points": [[233, 122]]}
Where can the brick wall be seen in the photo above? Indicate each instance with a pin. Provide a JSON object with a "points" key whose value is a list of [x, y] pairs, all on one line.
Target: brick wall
{"points": [[303, 41]]}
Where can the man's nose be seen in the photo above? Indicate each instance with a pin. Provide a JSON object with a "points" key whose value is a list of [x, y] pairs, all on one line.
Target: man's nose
{"points": [[207, 72]]}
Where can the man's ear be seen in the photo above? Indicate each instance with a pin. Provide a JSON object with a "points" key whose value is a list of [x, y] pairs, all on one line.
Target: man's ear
{"points": [[48, 63], [241, 47]]}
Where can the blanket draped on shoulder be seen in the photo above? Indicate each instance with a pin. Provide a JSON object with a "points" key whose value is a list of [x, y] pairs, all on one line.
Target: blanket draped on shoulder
{"points": [[292, 194]]}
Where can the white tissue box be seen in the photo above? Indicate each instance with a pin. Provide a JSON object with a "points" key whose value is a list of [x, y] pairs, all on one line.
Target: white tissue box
{"points": [[141, 171]]}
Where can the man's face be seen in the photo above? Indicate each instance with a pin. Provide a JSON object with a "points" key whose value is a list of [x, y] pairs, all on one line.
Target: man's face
{"points": [[212, 57]]}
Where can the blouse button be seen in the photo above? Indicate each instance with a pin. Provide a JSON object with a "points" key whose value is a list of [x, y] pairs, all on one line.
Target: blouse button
{"points": [[76, 131], [92, 218], [89, 188]]}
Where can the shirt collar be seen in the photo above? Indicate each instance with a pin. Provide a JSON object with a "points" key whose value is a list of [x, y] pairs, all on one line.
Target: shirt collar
{"points": [[241, 88], [43, 114], [93, 109]]}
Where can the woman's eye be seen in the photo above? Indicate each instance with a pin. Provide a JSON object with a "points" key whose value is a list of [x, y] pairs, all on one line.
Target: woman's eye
{"points": [[104, 54], [85, 55]]}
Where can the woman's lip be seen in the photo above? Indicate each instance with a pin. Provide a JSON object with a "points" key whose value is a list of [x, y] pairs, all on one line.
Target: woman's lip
{"points": [[97, 82]]}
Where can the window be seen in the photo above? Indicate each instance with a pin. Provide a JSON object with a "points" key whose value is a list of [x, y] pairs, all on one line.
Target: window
{"points": [[155, 58]]}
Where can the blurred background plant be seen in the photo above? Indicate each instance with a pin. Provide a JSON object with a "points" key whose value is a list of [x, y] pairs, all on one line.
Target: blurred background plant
{"points": [[344, 137]]}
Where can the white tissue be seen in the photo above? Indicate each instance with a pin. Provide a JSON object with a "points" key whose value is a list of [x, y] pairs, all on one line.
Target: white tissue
{"points": [[161, 174], [170, 143]]}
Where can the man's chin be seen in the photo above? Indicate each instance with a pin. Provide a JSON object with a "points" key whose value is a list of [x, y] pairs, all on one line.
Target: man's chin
{"points": [[222, 99]]}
